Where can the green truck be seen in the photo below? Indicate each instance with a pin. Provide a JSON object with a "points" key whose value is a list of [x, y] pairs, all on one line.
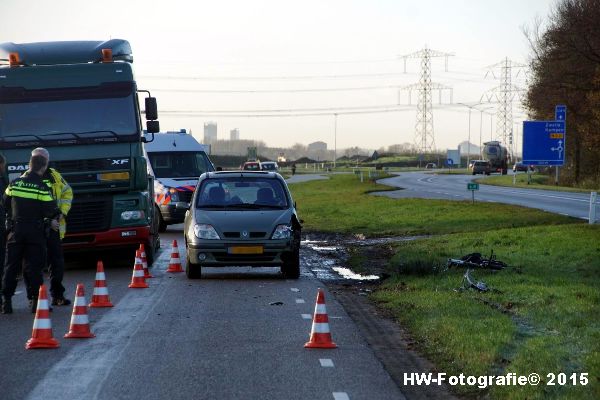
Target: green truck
{"points": [[79, 100]]}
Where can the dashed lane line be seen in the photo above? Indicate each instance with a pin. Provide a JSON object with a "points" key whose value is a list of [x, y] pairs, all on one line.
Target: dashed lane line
{"points": [[326, 362], [306, 316], [300, 301], [340, 396]]}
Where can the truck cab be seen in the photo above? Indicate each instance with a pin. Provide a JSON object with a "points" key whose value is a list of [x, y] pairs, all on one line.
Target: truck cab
{"points": [[175, 160], [79, 100]]}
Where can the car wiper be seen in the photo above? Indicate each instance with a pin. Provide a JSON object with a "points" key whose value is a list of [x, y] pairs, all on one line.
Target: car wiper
{"points": [[244, 205], [271, 206], [212, 206]]}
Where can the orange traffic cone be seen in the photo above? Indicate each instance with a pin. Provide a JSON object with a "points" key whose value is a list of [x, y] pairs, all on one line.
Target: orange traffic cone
{"points": [[320, 336], [147, 273], [41, 336], [175, 263], [100, 296], [137, 279], [80, 324]]}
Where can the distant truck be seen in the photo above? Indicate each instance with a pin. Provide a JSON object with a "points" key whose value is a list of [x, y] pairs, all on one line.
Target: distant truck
{"points": [[497, 155], [79, 99], [175, 160]]}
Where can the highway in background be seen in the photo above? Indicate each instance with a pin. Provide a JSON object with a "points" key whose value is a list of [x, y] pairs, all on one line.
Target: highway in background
{"points": [[454, 187]]}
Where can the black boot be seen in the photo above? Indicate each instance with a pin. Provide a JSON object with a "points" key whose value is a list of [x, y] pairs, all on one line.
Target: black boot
{"points": [[33, 304], [7, 305]]}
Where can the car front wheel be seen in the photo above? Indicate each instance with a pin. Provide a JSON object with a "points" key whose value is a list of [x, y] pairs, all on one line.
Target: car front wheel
{"points": [[192, 271], [291, 265]]}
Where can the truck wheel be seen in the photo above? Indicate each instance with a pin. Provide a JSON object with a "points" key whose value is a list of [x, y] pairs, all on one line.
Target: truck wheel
{"points": [[192, 271]]}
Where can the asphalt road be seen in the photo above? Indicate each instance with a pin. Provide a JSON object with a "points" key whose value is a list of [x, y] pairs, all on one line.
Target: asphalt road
{"points": [[238, 333], [454, 187]]}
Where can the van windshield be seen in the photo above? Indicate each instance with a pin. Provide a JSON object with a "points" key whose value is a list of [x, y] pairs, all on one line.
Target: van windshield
{"points": [[179, 164]]}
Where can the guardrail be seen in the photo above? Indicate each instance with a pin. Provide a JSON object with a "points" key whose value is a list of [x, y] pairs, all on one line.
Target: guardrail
{"points": [[593, 202]]}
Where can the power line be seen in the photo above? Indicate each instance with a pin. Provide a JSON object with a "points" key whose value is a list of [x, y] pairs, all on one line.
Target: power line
{"points": [[347, 89], [299, 114], [261, 78], [292, 110]]}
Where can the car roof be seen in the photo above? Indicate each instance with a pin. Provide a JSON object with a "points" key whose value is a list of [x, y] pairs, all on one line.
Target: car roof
{"points": [[248, 174]]}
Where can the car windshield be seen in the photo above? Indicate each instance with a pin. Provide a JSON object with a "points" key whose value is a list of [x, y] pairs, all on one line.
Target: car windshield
{"points": [[242, 193], [106, 110], [268, 166], [179, 164]]}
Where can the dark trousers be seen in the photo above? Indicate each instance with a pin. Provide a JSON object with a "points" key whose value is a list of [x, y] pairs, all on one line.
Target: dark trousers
{"points": [[56, 267], [2, 249], [56, 263], [25, 248]]}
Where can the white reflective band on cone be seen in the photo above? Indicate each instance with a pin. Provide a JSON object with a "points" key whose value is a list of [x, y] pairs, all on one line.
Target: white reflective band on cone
{"points": [[138, 273], [100, 276], [320, 328], [80, 301], [79, 319], [42, 324], [100, 291], [43, 304], [320, 309]]}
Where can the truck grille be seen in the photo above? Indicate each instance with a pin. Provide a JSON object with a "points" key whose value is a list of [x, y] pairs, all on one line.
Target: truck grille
{"points": [[89, 214], [96, 164]]}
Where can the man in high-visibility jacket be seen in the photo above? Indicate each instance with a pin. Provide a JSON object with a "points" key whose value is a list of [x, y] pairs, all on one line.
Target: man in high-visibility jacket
{"points": [[63, 194], [29, 205]]}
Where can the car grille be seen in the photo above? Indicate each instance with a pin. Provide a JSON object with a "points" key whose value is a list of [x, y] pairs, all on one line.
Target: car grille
{"points": [[237, 235], [89, 214]]}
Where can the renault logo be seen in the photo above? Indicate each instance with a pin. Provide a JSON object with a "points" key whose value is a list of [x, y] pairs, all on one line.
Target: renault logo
{"points": [[244, 234]]}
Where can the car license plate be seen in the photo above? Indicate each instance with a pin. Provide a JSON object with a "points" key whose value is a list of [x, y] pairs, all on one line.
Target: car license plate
{"points": [[246, 250]]}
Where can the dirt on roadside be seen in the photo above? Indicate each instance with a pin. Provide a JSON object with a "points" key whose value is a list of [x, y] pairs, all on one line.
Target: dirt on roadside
{"points": [[391, 344]]}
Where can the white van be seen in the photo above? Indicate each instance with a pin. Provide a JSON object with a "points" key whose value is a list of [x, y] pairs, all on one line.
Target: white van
{"points": [[175, 160]]}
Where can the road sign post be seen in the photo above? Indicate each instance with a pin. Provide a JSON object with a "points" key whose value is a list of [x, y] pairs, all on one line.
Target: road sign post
{"points": [[473, 187]]}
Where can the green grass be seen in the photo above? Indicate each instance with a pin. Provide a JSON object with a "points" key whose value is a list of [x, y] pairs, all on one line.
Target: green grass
{"points": [[538, 181], [340, 204], [543, 314], [543, 317]]}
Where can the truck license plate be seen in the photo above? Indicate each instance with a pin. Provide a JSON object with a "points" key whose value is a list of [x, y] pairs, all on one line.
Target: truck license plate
{"points": [[246, 250]]}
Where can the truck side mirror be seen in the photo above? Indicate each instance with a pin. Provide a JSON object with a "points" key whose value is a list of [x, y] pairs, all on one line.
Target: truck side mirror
{"points": [[152, 127], [151, 109]]}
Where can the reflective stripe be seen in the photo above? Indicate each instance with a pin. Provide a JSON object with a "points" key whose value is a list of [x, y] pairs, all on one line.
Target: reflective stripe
{"points": [[79, 301], [320, 328], [42, 324], [138, 273], [100, 291], [77, 319], [30, 194], [100, 276], [320, 309], [43, 304]]}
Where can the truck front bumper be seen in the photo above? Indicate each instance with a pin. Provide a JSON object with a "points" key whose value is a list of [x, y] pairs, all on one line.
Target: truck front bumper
{"points": [[113, 238]]}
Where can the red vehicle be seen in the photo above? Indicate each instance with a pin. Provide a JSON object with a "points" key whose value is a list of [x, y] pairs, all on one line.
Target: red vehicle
{"points": [[251, 166]]}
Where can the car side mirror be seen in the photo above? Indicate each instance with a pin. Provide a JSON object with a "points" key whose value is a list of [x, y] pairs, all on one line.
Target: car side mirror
{"points": [[219, 168]]}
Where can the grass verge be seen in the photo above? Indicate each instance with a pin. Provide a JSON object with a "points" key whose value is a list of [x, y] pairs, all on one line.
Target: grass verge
{"points": [[542, 315]]}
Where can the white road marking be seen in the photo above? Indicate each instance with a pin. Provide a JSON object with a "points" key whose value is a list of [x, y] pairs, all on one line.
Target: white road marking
{"points": [[300, 301], [294, 289], [326, 362], [87, 366], [306, 316], [340, 396]]}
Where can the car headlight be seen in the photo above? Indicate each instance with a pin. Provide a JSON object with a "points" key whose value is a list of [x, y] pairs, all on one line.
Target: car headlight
{"points": [[282, 232], [174, 195], [205, 231], [132, 215]]}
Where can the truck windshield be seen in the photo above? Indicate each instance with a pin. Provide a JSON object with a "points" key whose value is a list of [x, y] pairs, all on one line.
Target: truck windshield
{"points": [[46, 114], [179, 164]]}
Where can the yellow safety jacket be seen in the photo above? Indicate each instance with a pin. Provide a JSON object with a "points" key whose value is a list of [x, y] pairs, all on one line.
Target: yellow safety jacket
{"points": [[63, 194]]}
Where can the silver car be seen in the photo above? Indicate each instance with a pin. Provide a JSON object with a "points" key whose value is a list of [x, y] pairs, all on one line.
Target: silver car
{"points": [[242, 219]]}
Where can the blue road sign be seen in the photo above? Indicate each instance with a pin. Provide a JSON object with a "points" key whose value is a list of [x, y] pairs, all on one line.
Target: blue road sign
{"points": [[449, 162], [544, 142], [560, 113]]}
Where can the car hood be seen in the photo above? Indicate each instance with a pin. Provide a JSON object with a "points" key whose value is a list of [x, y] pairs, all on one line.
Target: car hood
{"points": [[249, 220]]}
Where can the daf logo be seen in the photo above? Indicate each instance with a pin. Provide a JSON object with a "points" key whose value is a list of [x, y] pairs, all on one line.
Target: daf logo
{"points": [[122, 161], [244, 234], [17, 168]]}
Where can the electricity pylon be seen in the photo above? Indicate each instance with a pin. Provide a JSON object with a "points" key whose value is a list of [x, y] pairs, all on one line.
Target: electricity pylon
{"points": [[504, 93]]}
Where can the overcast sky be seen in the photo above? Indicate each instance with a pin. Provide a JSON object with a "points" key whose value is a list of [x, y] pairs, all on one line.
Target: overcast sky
{"points": [[206, 57]]}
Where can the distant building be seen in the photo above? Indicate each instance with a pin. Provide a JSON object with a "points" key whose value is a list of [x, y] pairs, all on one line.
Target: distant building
{"points": [[210, 132], [317, 146], [234, 134]]}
